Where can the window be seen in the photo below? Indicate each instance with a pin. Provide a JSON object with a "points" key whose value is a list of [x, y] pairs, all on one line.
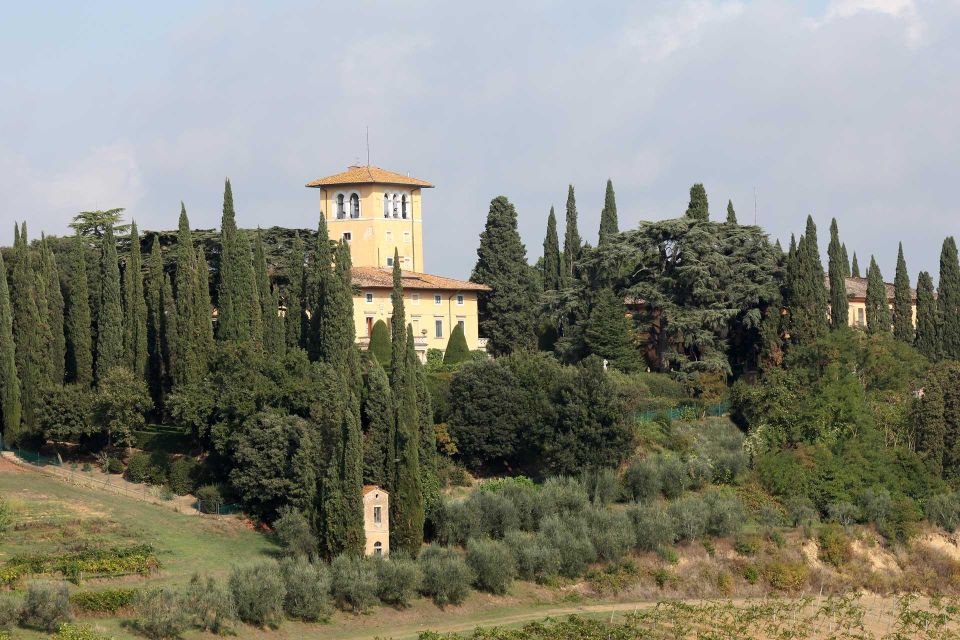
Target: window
{"points": [[460, 300], [354, 205], [415, 298], [341, 214], [438, 327], [860, 320], [388, 236], [437, 299], [369, 325], [463, 324], [403, 206], [378, 548], [406, 237], [386, 205], [377, 515], [347, 236], [369, 298], [389, 262]]}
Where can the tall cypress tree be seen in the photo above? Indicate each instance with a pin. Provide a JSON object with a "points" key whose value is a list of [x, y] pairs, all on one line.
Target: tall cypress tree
{"points": [[274, 341], [190, 356], [135, 325], [157, 372], [110, 320], [294, 321], [407, 503], [846, 260], [698, 207], [10, 407], [902, 302], [948, 300], [572, 243], [378, 419], [855, 267], [352, 469], [878, 311], [203, 306], [731, 214], [929, 424], [457, 350], [839, 305], [927, 340], [233, 298], [379, 345], [55, 318], [170, 319], [79, 343], [609, 225], [808, 295], [552, 267], [248, 297], [316, 285], [337, 332], [31, 353], [398, 359]]}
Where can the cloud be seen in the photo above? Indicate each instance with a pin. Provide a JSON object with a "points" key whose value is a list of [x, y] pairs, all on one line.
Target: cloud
{"points": [[905, 10]]}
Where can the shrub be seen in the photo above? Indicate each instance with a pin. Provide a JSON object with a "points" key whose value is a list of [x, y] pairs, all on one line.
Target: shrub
{"points": [[641, 480], [611, 533], [747, 545], [801, 511], [69, 631], [160, 614], [398, 578], [209, 605], [6, 515], [114, 465], [183, 473], [699, 472], [294, 534], [492, 564], [875, 506], [834, 545], [143, 467], [653, 526], [45, 606], [209, 498], [673, 476], [786, 575], [603, 486], [751, 574], [458, 521], [944, 511], [691, 516], [353, 582], [562, 496], [446, 576], [571, 538], [842, 513], [307, 589], [525, 498], [9, 612], [533, 557], [497, 513], [769, 515], [258, 593], [727, 514], [103, 601]]}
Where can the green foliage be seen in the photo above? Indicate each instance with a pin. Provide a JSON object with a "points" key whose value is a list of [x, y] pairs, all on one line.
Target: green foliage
{"points": [[66, 413], [10, 407], [691, 517], [160, 614], [698, 208], [94, 224], [731, 214], [135, 308], [353, 582], [602, 485], [194, 332], [834, 545], [258, 593], [552, 261], [307, 590], [110, 316], [807, 296], [948, 300], [611, 533], [608, 216], [674, 477], [572, 243], [446, 576], [837, 267], [570, 536], [209, 605], [902, 302], [878, 311], [608, 332], [293, 533], [50, 282], [380, 343], [121, 404], [68, 631], [398, 579], [653, 526], [274, 340], [377, 413], [238, 299], [183, 475], [210, 498], [457, 350], [929, 424], [143, 467], [533, 557], [31, 355], [114, 465], [407, 510], [103, 600], [6, 515], [114, 561], [641, 479], [726, 513], [45, 606], [492, 564], [944, 511]]}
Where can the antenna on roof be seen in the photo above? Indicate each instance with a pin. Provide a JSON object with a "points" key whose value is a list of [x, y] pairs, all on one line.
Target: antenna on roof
{"points": [[368, 146]]}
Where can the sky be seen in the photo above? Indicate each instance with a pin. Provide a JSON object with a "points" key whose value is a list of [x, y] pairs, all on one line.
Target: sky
{"points": [[833, 108]]}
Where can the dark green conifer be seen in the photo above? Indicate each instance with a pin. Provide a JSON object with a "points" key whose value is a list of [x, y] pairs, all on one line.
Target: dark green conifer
{"points": [[378, 417], [839, 304], [609, 332], [189, 361], [807, 293], [878, 310], [172, 335], [927, 340], [698, 208], [203, 305], [406, 502], [31, 353], [11, 410], [731, 214], [552, 267], [855, 267], [294, 319], [902, 301], [380, 343], [398, 330], [79, 344], [572, 243], [110, 319], [320, 273], [236, 292], [846, 260], [352, 474], [274, 341], [457, 350], [337, 331], [135, 325], [929, 424], [157, 372], [54, 316], [948, 300], [609, 225]]}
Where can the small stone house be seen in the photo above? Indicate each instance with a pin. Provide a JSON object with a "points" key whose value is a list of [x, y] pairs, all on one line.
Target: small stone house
{"points": [[376, 520]]}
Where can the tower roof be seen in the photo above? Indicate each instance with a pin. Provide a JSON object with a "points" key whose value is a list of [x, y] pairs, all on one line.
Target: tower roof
{"points": [[368, 174]]}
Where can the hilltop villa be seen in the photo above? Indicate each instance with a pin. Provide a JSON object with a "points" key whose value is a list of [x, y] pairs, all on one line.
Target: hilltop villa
{"points": [[857, 297]]}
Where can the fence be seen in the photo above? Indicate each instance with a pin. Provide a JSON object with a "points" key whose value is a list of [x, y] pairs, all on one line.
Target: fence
{"points": [[687, 411]]}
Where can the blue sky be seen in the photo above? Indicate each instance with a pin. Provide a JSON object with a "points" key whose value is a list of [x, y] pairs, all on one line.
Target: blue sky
{"points": [[841, 108]]}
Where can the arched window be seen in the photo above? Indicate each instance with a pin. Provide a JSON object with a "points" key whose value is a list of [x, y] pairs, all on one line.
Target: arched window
{"points": [[386, 205], [341, 214], [354, 205], [378, 548], [403, 206], [396, 202]]}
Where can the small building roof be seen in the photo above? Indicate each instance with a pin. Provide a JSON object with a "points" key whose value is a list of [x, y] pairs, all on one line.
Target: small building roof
{"points": [[857, 288], [370, 488], [381, 278], [368, 174]]}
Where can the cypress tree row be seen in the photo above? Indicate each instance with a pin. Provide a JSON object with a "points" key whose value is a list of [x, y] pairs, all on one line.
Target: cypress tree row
{"points": [[552, 260], [110, 320], [572, 243], [839, 305], [457, 350], [698, 207], [927, 339], [731, 214], [878, 310], [379, 345], [135, 325], [337, 332], [929, 424], [948, 300], [10, 407], [855, 267], [237, 300], [274, 340], [407, 511], [31, 352], [295, 319], [79, 343], [902, 301], [609, 225], [55, 319]]}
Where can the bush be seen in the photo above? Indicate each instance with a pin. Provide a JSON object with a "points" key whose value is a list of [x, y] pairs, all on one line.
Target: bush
{"points": [[497, 513], [673, 476], [492, 564], [183, 473], [209, 498], [6, 515], [446, 576], [875, 506], [103, 601], [209, 605], [458, 521], [294, 534], [699, 472], [603, 486], [160, 614], [398, 579], [611, 533], [114, 465], [353, 582], [307, 589], [525, 498], [653, 527], [69, 631], [533, 557], [801, 511], [562, 496], [148, 468], [258, 593], [944, 511], [45, 606], [641, 480], [842, 513], [786, 575], [571, 538], [748, 545], [834, 545], [9, 613], [727, 514], [691, 517]]}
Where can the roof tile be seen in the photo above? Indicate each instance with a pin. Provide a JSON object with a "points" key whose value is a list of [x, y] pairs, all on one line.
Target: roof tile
{"points": [[379, 278], [368, 174]]}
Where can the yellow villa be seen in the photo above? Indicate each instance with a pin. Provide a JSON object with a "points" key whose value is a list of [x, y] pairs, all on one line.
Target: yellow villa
{"points": [[857, 297], [378, 213]]}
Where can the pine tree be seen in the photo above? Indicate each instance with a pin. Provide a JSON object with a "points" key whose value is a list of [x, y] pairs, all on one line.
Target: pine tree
{"points": [[507, 310], [698, 208], [457, 350], [407, 503], [927, 340], [839, 304], [948, 300], [55, 318], [274, 341], [157, 372], [846, 260], [378, 418], [552, 267], [878, 310], [79, 344], [929, 424], [902, 302], [295, 320], [855, 267], [731, 214], [10, 407], [380, 343], [135, 324], [572, 244], [609, 332], [609, 225]]}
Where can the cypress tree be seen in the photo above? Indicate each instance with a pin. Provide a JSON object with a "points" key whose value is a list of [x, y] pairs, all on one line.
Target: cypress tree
{"points": [[609, 332], [31, 353], [427, 454], [378, 418], [839, 305], [929, 424], [170, 332], [45, 336], [902, 301], [380, 343], [698, 208], [552, 260], [295, 319], [457, 350], [337, 332], [808, 295], [203, 306], [508, 310], [731, 214], [948, 300], [572, 243], [855, 267], [189, 362], [316, 288], [407, 503], [352, 474], [79, 344], [398, 330], [135, 325], [235, 291], [274, 341], [157, 372], [927, 339], [55, 318], [878, 310], [846, 260], [110, 329], [10, 407], [609, 225]]}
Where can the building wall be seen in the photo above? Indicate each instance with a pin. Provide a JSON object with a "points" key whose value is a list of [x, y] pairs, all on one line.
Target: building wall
{"points": [[422, 312], [373, 237], [376, 532], [857, 312]]}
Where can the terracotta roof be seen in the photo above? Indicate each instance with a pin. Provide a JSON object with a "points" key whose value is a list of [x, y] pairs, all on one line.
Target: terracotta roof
{"points": [[378, 278], [357, 174], [370, 488], [857, 288]]}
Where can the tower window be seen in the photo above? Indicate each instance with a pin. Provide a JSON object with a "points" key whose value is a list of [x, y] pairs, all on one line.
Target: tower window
{"points": [[386, 205], [347, 236], [341, 214], [378, 548], [396, 202], [354, 205], [377, 515], [403, 206]]}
